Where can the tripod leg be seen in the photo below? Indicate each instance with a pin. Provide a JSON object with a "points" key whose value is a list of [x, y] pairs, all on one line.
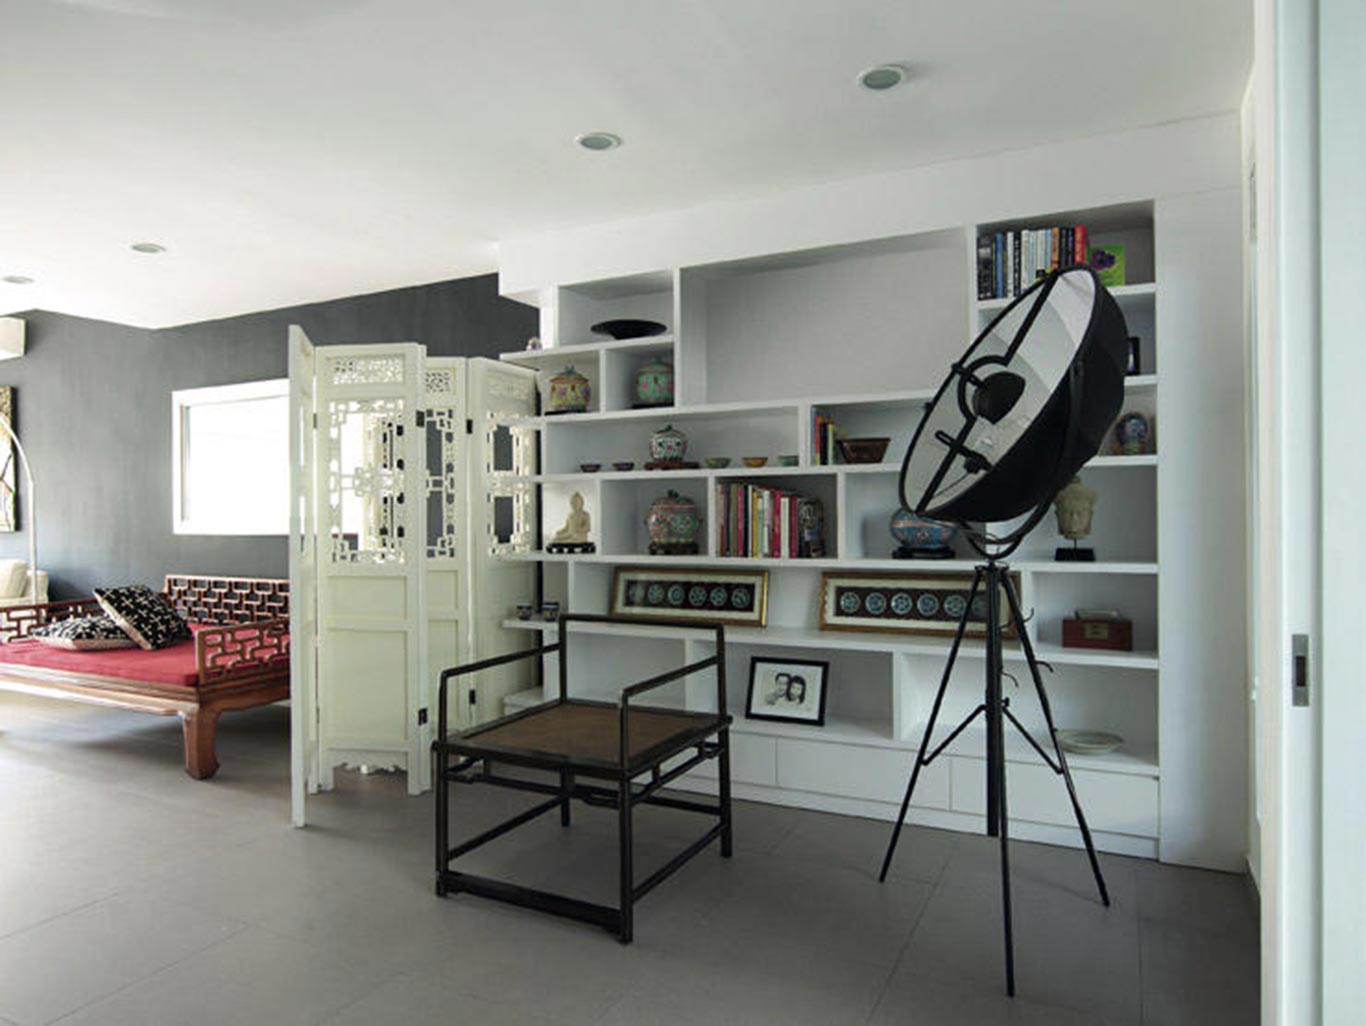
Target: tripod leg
{"points": [[929, 727], [1003, 822], [1033, 662], [998, 822]]}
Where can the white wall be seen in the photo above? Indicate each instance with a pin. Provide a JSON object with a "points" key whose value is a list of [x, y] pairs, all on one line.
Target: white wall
{"points": [[1181, 157]]}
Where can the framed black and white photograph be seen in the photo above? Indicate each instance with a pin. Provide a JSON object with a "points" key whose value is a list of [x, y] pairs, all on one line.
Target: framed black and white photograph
{"points": [[787, 690]]}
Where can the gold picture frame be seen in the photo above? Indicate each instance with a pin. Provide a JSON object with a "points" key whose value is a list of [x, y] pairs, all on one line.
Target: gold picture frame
{"points": [[914, 602]]}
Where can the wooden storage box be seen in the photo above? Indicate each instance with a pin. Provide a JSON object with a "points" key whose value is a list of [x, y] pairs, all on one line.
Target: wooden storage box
{"points": [[1112, 634]]}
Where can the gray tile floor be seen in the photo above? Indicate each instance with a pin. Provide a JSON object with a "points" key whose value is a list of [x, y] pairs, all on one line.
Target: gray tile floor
{"points": [[130, 894]]}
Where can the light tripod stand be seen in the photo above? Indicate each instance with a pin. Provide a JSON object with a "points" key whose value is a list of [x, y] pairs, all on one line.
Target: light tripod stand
{"points": [[994, 576]]}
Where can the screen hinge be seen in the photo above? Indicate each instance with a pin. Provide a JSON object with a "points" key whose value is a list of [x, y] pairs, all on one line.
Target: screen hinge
{"points": [[474, 697], [1299, 676], [421, 418], [469, 426], [422, 716]]}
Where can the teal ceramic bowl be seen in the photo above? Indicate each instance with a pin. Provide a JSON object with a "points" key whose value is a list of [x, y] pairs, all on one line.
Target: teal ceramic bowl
{"points": [[717, 462]]}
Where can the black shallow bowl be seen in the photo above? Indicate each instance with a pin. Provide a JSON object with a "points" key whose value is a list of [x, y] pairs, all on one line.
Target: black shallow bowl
{"points": [[629, 328]]}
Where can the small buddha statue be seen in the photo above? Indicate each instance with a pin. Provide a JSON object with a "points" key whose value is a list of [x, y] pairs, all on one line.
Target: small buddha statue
{"points": [[573, 536]]}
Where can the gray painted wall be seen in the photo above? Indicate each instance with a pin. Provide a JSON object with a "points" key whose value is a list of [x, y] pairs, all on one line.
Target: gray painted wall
{"points": [[93, 409]]}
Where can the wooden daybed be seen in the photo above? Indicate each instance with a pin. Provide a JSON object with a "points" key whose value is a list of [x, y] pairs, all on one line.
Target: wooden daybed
{"points": [[238, 658]]}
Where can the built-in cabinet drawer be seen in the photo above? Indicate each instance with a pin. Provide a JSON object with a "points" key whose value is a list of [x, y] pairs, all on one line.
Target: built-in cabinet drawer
{"points": [[874, 774], [1115, 802]]}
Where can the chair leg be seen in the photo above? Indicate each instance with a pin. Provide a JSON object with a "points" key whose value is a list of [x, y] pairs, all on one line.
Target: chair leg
{"points": [[199, 726], [624, 842], [566, 782], [723, 793]]}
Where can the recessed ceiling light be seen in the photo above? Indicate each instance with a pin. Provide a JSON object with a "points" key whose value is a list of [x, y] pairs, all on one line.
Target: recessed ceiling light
{"points": [[598, 141], [148, 247], [17, 279], [881, 77]]}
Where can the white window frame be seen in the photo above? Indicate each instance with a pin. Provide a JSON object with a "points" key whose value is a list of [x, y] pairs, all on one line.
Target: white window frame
{"points": [[182, 402]]}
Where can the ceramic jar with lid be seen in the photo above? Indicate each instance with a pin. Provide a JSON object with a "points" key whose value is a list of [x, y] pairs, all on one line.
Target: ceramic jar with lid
{"points": [[668, 445], [569, 392], [673, 523], [654, 383]]}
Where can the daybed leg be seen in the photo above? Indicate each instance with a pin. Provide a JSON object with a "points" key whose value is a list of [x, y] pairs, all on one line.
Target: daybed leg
{"points": [[566, 781], [199, 726]]}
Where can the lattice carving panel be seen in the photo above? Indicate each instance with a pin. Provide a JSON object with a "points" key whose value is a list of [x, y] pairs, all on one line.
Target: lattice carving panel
{"points": [[18, 621], [365, 370], [443, 482], [240, 650], [227, 599], [367, 482], [504, 483]]}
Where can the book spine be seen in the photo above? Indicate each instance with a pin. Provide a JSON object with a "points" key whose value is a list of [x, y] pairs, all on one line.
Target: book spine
{"points": [[1081, 244], [998, 266], [984, 288], [1053, 250], [1028, 276], [1015, 264]]}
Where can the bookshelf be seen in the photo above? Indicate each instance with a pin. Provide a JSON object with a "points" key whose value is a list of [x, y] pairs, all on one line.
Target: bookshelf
{"points": [[862, 333]]}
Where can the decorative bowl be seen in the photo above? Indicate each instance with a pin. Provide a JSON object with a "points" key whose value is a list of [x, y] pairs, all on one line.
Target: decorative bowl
{"points": [[754, 461], [717, 462], [623, 465], [863, 450], [590, 468], [525, 610], [917, 533], [550, 611], [787, 461], [628, 328], [1089, 742]]}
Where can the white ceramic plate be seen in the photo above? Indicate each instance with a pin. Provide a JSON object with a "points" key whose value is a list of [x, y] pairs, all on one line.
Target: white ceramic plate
{"points": [[1089, 742]]}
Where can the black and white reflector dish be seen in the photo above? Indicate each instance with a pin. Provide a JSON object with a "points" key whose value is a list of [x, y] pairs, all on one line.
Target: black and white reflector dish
{"points": [[1030, 401]]}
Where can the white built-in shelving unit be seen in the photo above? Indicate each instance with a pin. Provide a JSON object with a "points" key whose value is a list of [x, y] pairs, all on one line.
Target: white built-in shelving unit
{"points": [[864, 332]]}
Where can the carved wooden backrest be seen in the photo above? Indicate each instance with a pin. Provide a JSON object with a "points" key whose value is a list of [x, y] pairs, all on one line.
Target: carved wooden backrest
{"points": [[202, 599]]}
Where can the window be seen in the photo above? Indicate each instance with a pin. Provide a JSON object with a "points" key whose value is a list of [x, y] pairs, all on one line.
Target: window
{"points": [[230, 459]]}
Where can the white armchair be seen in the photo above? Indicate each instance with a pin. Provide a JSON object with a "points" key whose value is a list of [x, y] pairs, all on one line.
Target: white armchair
{"points": [[14, 583]]}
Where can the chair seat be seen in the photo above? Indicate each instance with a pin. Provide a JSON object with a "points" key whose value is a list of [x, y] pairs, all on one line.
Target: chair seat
{"points": [[587, 734]]}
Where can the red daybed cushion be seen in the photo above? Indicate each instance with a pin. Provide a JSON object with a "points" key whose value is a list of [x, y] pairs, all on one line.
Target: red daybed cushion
{"points": [[173, 665]]}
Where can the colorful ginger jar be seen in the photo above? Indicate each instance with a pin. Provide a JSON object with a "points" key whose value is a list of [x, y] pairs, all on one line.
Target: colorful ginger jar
{"points": [[654, 383], [569, 392], [668, 445], [673, 523], [1131, 432], [919, 535]]}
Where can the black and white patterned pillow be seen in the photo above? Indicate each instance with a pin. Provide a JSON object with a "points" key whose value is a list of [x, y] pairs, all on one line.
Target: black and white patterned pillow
{"points": [[144, 615], [83, 633]]}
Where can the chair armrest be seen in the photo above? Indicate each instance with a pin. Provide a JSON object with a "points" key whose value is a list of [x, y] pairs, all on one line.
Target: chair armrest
{"points": [[475, 667]]}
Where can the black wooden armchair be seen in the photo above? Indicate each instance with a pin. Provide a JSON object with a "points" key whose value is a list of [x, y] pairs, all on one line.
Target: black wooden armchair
{"points": [[624, 746]]}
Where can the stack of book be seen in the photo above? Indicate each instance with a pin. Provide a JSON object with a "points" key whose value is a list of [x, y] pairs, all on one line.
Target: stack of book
{"points": [[1008, 262], [824, 433], [760, 522]]}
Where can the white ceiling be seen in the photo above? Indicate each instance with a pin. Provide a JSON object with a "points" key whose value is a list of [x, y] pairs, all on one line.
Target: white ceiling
{"points": [[287, 151]]}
